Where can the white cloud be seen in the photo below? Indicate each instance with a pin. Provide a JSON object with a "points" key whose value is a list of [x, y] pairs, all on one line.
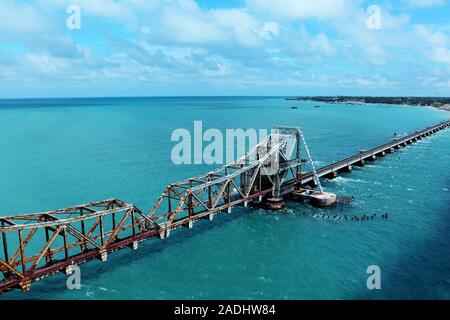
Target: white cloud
{"points": [[441, 54], [269, 30], [238, 24], [435, 44], [194, 29], [301, 9], [424, 3], [21, 18], [320, 43], [46, 64], [431, 37], [264, 42]]}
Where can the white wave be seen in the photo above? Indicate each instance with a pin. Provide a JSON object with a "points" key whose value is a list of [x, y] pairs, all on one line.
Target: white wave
{"points": [[106, 290], [263, 279], [90, 293], [410, 189], [344, 180]]}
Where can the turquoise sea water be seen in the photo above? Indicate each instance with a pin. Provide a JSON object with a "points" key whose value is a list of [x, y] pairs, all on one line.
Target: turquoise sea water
{"points": [[58, 153]]}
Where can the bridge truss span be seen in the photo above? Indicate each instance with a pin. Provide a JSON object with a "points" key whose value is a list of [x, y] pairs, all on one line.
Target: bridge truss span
{"points": [[34, 246], [258, 173], [50, 242]]}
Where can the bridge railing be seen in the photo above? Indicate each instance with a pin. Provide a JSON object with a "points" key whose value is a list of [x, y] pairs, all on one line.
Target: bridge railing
{"points": [[384, 147]]}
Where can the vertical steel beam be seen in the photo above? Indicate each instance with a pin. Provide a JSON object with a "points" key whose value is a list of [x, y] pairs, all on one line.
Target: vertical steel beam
{"points": [[22, 253], [48, 255], [5, 244], [66, 251], [83, 231], [133, 223], [210, 197], [102, 236], [169, 199]]}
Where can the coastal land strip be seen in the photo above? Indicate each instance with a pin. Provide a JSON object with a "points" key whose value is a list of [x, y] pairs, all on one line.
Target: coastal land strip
{"points": [[442, 103]]}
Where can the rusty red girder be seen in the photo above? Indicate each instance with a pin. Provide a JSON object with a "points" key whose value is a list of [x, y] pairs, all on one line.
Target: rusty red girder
{"points": [[251, 177], [35, 246], [38, 245]]}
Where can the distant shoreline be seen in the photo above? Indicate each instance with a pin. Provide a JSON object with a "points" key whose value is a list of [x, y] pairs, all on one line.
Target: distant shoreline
{"points": [[435, 102], [444, 107]]}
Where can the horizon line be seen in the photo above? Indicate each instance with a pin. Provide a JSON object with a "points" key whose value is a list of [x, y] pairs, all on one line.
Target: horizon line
{"points": [[222, 96]]}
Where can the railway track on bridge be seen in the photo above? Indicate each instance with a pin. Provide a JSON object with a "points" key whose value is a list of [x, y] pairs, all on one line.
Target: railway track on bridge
{"points": [[35, 246]]}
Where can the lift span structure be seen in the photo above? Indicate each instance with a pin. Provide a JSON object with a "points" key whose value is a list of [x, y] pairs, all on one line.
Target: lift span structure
{"points": [[35, 246]]}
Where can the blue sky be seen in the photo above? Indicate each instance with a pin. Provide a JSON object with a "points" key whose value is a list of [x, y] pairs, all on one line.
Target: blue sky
{"points": [[234, 47]]}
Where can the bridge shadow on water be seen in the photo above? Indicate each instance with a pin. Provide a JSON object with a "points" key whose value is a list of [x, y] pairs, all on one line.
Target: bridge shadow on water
{"points": [[422, 273]]}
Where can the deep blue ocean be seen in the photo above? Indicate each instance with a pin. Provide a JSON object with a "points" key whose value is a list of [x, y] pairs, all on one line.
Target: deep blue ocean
{"points": [[56, 153]]}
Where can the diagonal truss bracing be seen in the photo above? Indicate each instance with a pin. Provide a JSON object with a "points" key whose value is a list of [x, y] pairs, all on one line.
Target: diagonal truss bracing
{"points": [[37, 245]]}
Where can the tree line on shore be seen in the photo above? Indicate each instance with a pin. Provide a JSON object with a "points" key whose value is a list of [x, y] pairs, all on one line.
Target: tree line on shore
{"points": [[417, 101]]}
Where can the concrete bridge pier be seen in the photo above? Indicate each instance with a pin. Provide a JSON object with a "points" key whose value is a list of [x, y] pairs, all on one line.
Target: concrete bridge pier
{"points": [[390, 151], [331, 175], [324, 200], [25, 285], [347, 169], [209, 217], [361, 163], [275, 204], [312, 184], [69, 269], [371, 158], [103, 255]]}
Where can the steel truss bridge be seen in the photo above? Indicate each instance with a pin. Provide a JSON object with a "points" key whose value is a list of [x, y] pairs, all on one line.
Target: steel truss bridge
{"points": [[35, 246]]}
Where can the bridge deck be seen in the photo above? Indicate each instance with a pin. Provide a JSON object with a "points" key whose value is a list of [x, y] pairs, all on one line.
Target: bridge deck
{"points": [[367, 155]]}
